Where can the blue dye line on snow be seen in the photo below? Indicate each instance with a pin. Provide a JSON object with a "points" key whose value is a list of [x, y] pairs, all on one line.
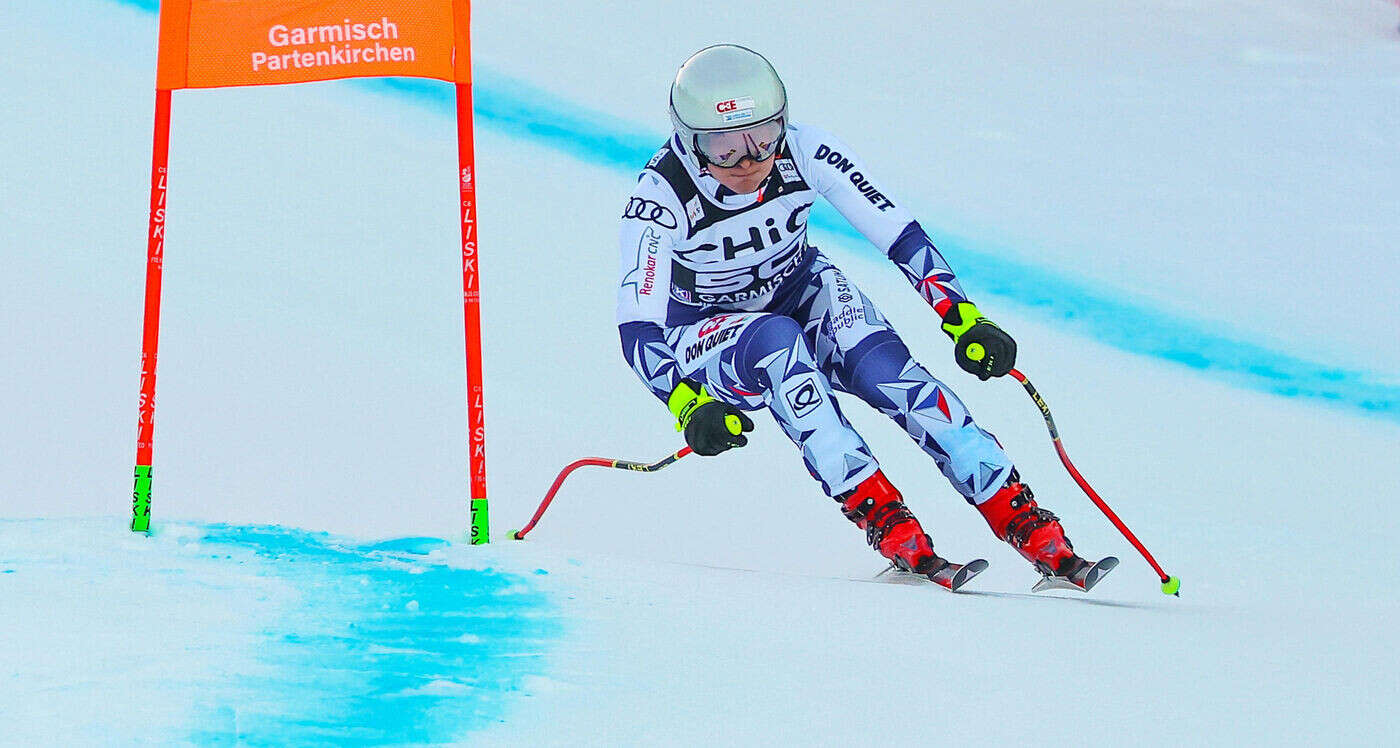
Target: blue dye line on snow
{"points": [[386, 646], [521, 110]]}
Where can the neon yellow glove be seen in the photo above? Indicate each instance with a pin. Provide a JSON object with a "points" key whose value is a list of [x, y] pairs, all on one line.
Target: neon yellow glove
{"points": [[979, 346], [710, 426]]}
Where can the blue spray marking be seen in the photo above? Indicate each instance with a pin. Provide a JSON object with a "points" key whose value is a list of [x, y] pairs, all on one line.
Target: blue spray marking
{"points": [[385, 646], [521, 110]]}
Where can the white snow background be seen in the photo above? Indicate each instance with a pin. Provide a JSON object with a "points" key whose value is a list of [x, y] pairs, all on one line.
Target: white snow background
{"points": [[1228, 167]]}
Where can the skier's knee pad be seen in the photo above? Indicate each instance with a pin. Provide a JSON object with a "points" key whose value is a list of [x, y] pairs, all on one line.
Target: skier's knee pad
{"points": [[880, 358], [760, 340]]}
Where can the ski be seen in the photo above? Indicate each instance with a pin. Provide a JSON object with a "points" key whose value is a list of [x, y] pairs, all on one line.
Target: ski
{"points": [[1082, 579], [951, 577]]}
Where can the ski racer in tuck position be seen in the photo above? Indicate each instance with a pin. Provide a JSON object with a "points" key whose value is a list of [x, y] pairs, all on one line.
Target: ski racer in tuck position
{"points": [[724, 307]]}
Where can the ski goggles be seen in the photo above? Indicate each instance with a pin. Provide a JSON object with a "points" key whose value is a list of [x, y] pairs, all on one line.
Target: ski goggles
{"points": [[729, 147]]}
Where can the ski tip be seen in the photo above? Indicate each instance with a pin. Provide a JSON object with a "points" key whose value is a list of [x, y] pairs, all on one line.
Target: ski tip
{"points": [[967, 572], [1092, 576], [1099, 570]]}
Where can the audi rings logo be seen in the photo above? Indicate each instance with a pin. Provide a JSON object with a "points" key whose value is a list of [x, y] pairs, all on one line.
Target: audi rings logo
{"points": [[646, 210], [805, 398]]}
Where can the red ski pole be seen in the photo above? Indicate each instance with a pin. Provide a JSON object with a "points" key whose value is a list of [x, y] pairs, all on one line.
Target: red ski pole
{"points": [[1170, 585], [640, 467]]}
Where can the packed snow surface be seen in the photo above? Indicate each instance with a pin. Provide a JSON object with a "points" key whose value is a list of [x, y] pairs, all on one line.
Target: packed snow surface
{"points": [[1186, 213], [222, 633]]}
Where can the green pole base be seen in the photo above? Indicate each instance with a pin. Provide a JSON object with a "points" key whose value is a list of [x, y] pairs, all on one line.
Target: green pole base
{"points": [[141, 500], [481, 523], [1172, 586]]}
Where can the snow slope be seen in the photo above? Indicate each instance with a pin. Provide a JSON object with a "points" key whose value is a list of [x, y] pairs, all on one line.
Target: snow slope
{"points": [[1228, 159], [257, 635]]}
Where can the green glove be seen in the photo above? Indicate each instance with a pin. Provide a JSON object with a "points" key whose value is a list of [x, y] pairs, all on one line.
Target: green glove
{"points": [[979, 346], [710, 426]]}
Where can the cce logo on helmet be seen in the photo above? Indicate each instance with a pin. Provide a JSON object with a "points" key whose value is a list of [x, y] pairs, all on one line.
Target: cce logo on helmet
{"points": [[733, 110]]}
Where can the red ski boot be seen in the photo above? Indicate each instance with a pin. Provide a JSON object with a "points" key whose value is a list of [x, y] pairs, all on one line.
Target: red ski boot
{"points": [[876, 507], [1038, 536]]}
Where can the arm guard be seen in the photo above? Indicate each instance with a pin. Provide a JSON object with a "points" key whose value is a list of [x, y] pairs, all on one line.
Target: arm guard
{"points": [[926, 269]]}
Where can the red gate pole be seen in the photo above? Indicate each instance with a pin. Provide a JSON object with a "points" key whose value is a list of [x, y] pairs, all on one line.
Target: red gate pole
{"points": [[150, 331], [471, 311]]}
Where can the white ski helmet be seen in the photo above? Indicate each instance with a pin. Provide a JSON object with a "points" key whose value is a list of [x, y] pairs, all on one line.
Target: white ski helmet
{"points": [[727, 88]]}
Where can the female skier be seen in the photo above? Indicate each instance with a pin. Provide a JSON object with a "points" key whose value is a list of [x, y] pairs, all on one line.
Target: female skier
{"points": [[724, 307]]}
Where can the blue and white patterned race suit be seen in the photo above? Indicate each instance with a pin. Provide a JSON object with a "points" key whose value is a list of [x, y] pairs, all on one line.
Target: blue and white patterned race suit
{"points": [[812, 342], [724, 289]]}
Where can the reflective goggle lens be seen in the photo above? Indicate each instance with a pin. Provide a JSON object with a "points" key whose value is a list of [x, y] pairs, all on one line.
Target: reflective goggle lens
{"points": [[728, 148]]}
